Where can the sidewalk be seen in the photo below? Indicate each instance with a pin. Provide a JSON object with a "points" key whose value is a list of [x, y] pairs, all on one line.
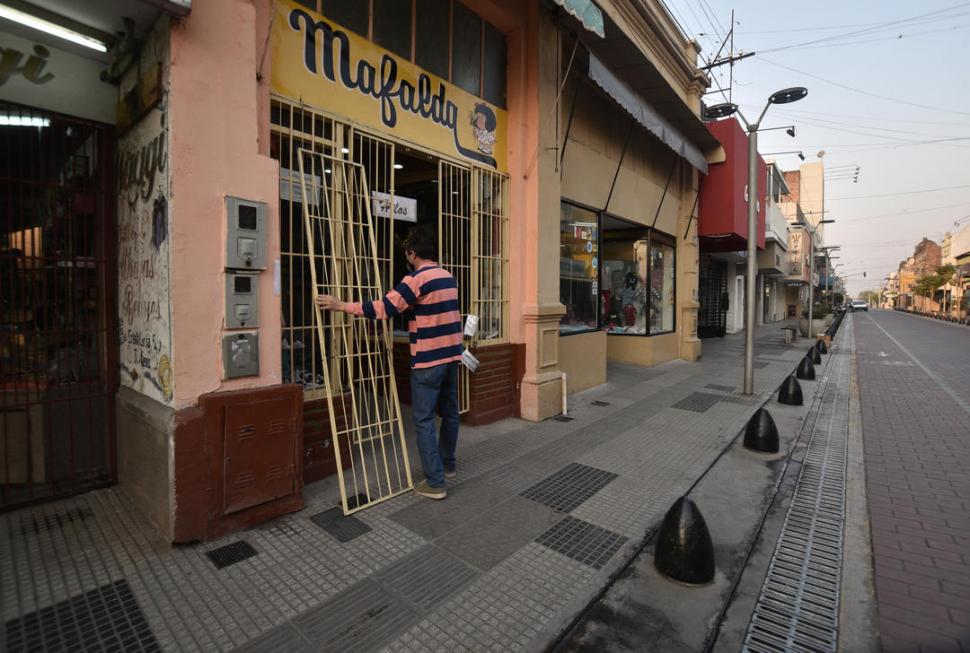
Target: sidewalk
{"points": [[540, 518]]}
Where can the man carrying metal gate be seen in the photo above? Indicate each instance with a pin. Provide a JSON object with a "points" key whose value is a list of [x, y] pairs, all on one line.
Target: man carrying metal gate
{"points": [[430, 295]]}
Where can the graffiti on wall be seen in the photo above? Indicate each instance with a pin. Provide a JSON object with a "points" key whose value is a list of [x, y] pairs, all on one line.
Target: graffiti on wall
{"points": [[143, 259]]}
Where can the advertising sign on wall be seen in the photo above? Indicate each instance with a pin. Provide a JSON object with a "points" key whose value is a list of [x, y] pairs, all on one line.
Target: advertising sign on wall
{"points": [[322, 64], [145, 332]]}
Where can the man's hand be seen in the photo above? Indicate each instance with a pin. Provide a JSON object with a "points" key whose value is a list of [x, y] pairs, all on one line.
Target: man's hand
{"points": [[329, 303]]}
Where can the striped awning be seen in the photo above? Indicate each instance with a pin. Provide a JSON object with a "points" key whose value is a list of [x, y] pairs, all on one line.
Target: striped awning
{"points": [[585, 12]]}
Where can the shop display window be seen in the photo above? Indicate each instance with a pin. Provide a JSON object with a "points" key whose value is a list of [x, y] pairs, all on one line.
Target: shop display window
{"points": [[623, 277], [578, 262], [615, 275], [662, 295]]}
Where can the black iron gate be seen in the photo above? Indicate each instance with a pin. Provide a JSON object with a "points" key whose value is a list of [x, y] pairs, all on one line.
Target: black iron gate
{"points": [[58, 352], [712, 295]]}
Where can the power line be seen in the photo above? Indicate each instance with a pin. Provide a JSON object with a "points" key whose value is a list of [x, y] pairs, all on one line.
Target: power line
{"points": [[893, 215], [867, 119], [908, 192], [872, 29], [857, 90], [895, 37]]}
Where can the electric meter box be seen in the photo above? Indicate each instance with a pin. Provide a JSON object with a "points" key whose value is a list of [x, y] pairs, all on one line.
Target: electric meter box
{"points": [[242, 299], [246, 234], [240, 355]]}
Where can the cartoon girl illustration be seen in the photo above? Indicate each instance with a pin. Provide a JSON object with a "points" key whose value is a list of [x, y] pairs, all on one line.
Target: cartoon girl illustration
{"points": [[483, 124]]}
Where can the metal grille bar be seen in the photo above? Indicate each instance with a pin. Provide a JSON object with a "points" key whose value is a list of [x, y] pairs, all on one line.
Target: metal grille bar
{"points": [[58, 358], [357, 365], [798, 609]]}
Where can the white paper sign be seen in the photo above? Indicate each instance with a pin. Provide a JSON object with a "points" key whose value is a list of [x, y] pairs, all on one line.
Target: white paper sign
{"points": [[405, 208]]}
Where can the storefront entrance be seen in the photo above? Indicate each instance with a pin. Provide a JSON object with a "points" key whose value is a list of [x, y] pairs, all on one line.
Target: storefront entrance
{"points": [[712, 295], [466, 204], [58, 367]]}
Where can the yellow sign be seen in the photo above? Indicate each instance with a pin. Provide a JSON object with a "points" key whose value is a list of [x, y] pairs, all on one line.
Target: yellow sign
{"points": [[329, 67]]}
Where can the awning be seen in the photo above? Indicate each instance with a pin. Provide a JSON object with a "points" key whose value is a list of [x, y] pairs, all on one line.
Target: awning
{"points": [[645, 114], [585, 12]]}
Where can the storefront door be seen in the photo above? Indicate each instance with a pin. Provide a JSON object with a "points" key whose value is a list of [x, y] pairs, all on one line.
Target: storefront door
{"points": [[713, 298], [58, 360]]}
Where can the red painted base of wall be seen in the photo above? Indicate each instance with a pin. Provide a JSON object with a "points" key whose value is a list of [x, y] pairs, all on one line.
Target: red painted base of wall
{"points": [[238, 461]]}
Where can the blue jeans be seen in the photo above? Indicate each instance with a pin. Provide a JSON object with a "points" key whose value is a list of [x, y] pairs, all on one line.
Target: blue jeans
{"points": [[436, 387]]}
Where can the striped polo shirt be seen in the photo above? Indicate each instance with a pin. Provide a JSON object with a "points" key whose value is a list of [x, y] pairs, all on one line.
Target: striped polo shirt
{"points": [[430, 294]]}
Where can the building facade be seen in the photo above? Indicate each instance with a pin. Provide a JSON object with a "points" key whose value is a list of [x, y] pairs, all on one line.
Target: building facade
{"points": [[240, 156]]}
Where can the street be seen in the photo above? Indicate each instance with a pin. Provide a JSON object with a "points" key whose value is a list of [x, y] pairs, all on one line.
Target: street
{"points": [[914, 378]]}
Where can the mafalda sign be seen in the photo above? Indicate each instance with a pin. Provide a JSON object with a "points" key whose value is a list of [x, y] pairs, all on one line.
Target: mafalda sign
{"points": [[325, 65]]}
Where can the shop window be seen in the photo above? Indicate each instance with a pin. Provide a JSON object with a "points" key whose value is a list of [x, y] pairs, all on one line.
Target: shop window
{"points": [[624, 277], [352, 14], [578, 261], [392, 26], [615, 274], [432, 20], [662, 292], [445, 37], [493, 63], [466, 49]]}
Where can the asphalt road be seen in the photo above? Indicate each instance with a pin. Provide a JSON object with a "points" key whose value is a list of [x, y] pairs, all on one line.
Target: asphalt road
{"points": [[914, 382]]}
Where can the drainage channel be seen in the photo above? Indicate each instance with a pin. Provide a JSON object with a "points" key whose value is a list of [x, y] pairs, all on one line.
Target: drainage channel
{"points": [[798, 608]]}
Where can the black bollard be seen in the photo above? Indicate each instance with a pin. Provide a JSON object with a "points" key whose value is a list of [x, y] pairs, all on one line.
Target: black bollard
{"points": [[761, 434], [790, 391], [822, 349], [684, 550], [806, 370], [814, 355]]}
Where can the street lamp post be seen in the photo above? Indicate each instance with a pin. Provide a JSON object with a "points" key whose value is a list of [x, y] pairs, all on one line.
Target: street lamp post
{"points": [[722, 111]]}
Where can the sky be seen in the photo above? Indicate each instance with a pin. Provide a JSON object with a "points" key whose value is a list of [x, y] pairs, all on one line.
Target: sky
{"points": [[887, 92]]}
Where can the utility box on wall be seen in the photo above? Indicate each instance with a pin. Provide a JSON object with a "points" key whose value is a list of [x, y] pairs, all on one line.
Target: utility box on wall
{"points": [[252, 442]]}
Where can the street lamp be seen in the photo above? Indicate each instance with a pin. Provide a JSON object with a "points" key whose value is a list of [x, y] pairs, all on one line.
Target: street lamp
{"points": [[784, 96], [811, 275]]}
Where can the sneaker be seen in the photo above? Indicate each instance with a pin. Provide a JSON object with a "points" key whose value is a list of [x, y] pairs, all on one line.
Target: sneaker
{"points": [[451, 472], [426, 490]]}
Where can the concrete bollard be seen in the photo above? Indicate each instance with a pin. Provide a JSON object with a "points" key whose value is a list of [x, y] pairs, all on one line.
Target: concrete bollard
{"points": [[806, 370], [790, 392], [761, 433], [684, 551]]}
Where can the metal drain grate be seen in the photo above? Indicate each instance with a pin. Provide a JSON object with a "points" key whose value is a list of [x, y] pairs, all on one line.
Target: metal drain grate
{"points": [[563, 418], [798, 608], [600, 403], [40, 523], [230, 554], [105, 619], [568, 488], [344, 529], [583, 542], [697, 402]]}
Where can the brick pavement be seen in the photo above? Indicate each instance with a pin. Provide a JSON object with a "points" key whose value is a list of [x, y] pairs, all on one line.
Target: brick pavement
{"points": [[540, 519], [917, 453]]}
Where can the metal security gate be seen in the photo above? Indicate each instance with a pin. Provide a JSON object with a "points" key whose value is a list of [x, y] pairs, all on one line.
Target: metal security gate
{"points": [[58, 368], [357, 364], [712, 295], [455, 246]]}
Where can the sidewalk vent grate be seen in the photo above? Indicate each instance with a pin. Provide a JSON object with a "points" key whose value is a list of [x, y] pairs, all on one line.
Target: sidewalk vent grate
{"points": [[584, 542], [568, 488], [798, 607], [230, 554], [344, 529], [105, 619], [600, 403], [697, 402], [563, 418]]}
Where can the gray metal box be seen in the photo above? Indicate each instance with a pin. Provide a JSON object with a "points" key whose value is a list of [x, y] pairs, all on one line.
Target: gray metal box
{"points": [[246, 234], [242, 299], [240, 354]]}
